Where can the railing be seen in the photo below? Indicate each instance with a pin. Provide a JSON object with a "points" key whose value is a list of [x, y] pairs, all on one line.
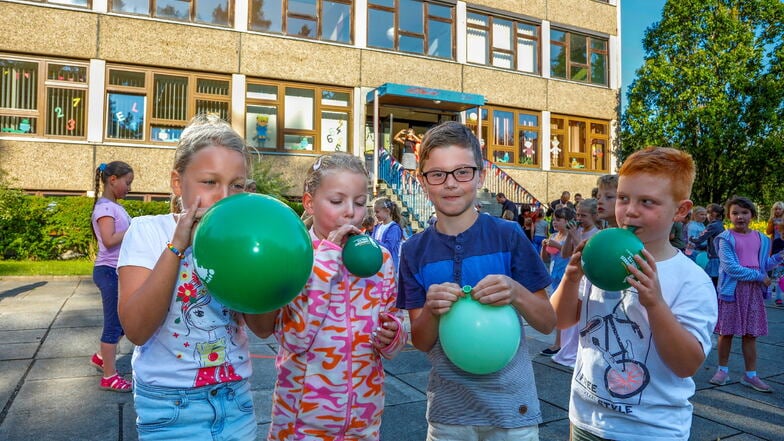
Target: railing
{"points": [[497, 181], [403, 182]]}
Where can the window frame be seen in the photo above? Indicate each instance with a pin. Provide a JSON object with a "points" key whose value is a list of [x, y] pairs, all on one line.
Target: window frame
{"points": [[427, 17], [589, 52], [278, 144], [149, 93], [286, 14], [41, 113], [491, 148], [588, 155], [489, 45]]}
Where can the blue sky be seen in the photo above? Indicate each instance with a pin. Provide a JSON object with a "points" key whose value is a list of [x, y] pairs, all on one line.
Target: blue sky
{"points": [[636, 16]]}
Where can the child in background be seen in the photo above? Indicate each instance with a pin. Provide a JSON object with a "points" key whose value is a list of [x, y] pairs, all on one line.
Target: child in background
{"points": [[587, 216], [714, 228], [388, 232], [333, 335], [639, 347], [777, 247], [110, 221], [368, 224], [191, 363], [491, 255], [776, 219], [552, 251], [694, 229], [745, 259], [540, 227]]}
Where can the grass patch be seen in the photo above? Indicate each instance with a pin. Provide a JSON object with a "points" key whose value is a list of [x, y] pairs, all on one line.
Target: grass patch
{"points": [[77, 267]]}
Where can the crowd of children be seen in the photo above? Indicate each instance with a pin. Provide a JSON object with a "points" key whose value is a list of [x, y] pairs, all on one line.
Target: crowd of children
{"points": [[192, 351]]}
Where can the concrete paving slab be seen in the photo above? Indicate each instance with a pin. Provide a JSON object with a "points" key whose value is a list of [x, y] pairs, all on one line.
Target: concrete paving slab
{"points": [[21, 336], [404, 422], [18, 351], [24, 319], [11, 373], [751, 416]]}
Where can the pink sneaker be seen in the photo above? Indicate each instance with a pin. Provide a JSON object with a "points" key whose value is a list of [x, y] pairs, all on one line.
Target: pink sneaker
{"points": [[116, 383], [97, 361], [755, 383], [720, 378]]}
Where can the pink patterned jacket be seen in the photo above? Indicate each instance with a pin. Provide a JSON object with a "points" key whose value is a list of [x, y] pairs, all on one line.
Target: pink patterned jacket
{"points": [[330, 383]]}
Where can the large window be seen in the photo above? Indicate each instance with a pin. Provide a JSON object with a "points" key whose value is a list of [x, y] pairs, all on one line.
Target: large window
{"points": [[579, 143], [214, 12], [290, 116], [147, 105], [578, 57], [43, 97], [328, 20], [508, 136], [501, 42], [412, 26]]}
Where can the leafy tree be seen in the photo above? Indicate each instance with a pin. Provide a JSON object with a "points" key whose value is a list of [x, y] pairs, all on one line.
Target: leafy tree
{"points": [[268, 180], [711, 85]]}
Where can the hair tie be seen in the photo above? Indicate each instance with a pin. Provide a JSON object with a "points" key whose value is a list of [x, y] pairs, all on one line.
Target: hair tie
{"points": [[102, 167], [317, 164], [388, 203]]}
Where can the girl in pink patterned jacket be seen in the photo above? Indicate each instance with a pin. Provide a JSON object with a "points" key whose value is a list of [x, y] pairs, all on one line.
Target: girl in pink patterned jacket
{"points": [[333, 334]]}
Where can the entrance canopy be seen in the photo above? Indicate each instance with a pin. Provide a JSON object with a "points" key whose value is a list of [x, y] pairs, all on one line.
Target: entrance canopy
{"points": [[424, 97]]}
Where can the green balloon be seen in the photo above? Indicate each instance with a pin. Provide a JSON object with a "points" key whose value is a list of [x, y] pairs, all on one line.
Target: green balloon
{"points": [[478, 338], [606, 255], [252, 252], [362, 255]]}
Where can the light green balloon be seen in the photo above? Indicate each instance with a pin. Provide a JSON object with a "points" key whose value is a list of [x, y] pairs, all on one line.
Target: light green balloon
{"points": [[479, 338]]}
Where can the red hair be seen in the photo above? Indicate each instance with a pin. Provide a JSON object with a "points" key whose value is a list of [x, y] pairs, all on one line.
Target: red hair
{"points": [[668, 163]]}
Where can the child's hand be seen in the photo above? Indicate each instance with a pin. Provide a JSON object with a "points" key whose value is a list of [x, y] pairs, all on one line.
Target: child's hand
{"points": [[440, 297], [646, 280], [339, 236], [574, 269], [495, 289], [186, 225], [385, 334]]}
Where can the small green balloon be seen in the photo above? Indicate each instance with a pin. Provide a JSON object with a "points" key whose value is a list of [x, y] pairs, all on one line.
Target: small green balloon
{"points": [[606, 255], [362, 255], [252, 252], [478, 338]]}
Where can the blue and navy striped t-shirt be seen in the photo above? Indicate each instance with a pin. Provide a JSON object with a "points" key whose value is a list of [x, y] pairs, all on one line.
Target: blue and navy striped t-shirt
{"points": [[506, 398]]}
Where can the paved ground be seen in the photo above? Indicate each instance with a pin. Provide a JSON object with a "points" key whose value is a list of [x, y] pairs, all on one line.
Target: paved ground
{"points": [[48, 390]]}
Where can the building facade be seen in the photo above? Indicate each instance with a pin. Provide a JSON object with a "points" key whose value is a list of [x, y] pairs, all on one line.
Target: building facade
{"points": [[90, 81]]}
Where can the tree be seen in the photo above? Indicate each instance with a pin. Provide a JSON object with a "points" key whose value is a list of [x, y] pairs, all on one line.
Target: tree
{"points": [[711, 85]]}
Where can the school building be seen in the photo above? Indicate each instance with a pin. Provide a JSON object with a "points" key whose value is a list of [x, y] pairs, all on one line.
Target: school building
{"points": [[89, 81]]}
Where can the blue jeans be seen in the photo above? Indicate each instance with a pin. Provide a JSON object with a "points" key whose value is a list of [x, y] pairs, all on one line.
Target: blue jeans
{"points": [[218, 412], [105, 278]]}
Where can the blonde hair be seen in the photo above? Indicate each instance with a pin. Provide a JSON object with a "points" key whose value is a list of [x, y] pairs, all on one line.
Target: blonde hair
{"points": [[777, 204], [329, 163], [394, 210], [205, 130]]}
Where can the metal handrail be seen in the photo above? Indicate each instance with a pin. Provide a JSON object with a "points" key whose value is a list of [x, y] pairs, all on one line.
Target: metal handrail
{"points": [[414, 198]]}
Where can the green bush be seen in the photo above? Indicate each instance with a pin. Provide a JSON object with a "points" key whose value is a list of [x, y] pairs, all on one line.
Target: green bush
{"points": [[40, 228]]}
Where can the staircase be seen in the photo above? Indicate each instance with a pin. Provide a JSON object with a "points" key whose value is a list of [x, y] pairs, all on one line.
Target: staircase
{"points": [[401, 186]]}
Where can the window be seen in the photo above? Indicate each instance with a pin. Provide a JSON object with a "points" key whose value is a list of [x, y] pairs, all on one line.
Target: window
{"points": [[328, 20], [412, 26], [43, 97], [578, 57], [288, 116], [579, 143], [502, 43], [79, 3], [214, 12], [145, 105], [509, 136]]}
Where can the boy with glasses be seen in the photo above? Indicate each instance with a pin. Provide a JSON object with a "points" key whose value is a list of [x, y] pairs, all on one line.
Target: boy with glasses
{"points": [[496, 259]]}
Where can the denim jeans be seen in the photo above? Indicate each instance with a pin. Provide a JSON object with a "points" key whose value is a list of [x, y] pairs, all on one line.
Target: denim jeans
{"points": [[105, 278], [218, 412]]}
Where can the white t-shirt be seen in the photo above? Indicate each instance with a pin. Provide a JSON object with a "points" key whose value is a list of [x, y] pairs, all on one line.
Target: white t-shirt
{"points": [[200, 342], [621, 389]]}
